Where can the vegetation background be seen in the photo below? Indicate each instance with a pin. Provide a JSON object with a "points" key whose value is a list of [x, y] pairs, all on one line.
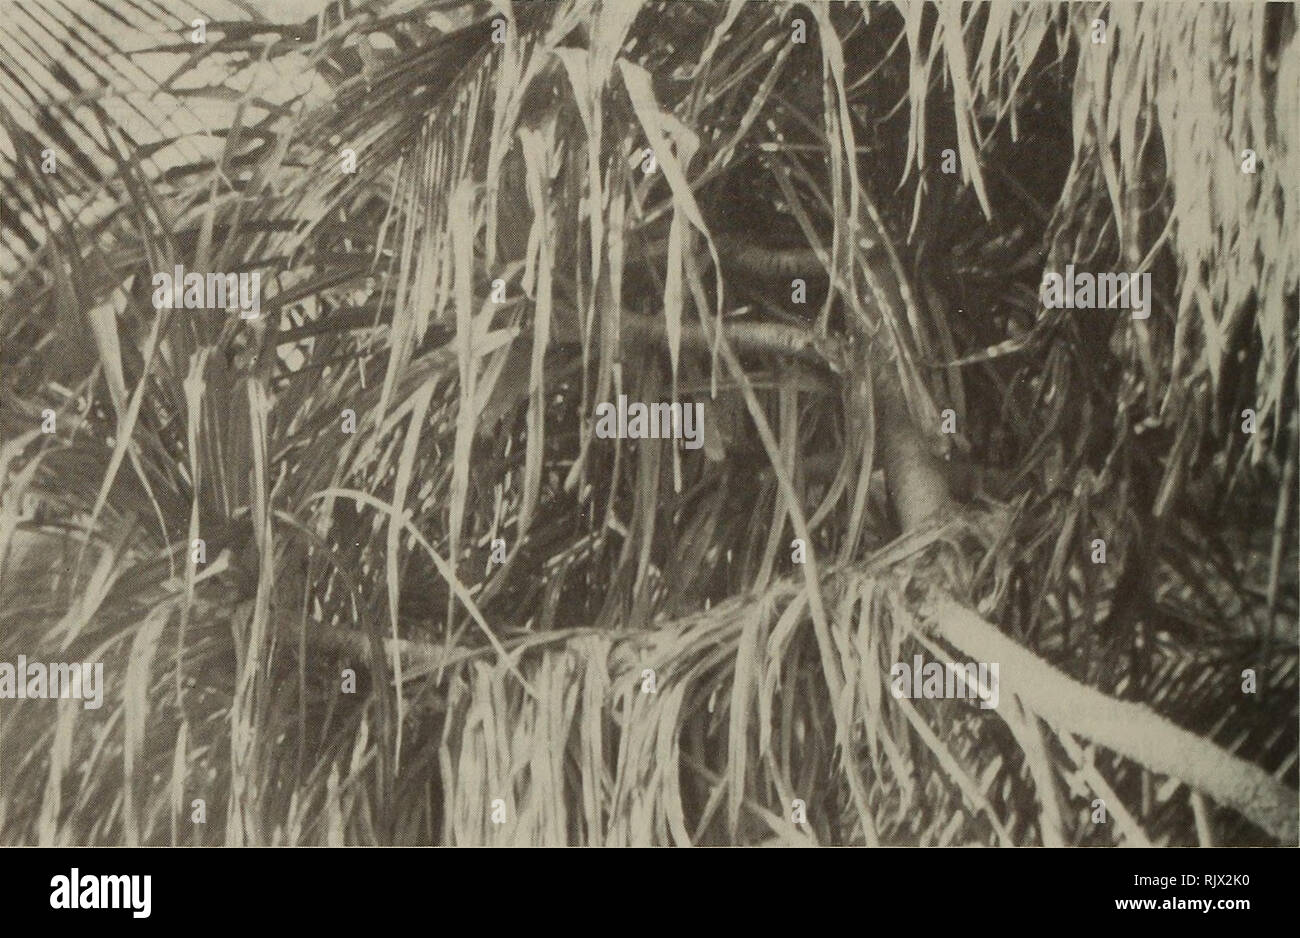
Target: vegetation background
{"points": [[505, 256]]}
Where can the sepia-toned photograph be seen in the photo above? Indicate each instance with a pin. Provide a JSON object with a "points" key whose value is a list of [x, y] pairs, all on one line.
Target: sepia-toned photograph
{"points": [[634, 423]]}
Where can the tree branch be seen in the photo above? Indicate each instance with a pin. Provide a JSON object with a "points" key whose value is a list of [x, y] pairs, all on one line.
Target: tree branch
{"points": [[1129, 729]]}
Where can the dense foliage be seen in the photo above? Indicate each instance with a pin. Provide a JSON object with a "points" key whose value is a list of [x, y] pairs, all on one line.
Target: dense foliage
{"points": [[506, 255]]}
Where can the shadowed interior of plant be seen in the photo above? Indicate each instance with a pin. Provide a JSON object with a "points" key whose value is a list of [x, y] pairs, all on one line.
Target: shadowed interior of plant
{"points": [[431, 605]]}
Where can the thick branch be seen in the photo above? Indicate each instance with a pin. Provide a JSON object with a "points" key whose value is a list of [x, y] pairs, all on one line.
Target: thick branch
{"points": [[917, 479], [1127, 728], [748, 338]]}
